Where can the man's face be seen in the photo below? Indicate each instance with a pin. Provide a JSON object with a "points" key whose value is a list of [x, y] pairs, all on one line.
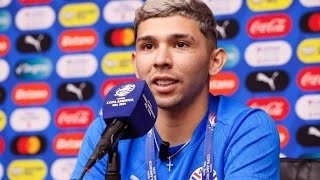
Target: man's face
{"points": [[172, 55]]}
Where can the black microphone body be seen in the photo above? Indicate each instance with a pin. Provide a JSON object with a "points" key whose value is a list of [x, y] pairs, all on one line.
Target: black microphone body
{"points": [[164, 150], [130, 111]]}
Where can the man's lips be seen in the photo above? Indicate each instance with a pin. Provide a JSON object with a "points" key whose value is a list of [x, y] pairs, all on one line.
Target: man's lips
{"points": [[164, 85]]}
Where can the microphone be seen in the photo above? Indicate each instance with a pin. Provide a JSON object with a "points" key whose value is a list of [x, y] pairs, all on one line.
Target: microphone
{"points": [[130, 111], [164, 150]]}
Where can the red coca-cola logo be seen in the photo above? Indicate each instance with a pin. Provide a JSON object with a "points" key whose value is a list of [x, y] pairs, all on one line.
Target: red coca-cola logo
{"points": [[308, 79], [266, 26], [74, 117], [277, 107]]}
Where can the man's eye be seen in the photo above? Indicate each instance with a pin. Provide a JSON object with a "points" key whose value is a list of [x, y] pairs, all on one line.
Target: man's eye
{"points": [[181, 44], [148, 46]]}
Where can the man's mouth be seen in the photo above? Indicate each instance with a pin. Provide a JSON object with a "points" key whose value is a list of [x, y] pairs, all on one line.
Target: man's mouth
{"points": [[164, 82]]}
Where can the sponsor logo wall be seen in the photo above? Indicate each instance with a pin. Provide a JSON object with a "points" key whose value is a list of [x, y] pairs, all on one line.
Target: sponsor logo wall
{"points": [[58, 59]]}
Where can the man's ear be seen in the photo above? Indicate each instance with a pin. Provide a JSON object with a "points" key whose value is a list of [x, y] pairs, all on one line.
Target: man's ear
{"points": [[217, 60], [133, 58]]}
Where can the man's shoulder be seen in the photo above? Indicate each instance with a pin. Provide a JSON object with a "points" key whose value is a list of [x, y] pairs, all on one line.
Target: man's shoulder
{"points": [[231, 111]]}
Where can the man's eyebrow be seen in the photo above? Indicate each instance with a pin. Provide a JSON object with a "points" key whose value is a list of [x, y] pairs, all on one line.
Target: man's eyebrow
{"points": [[173, 36], [181, 36], [145, 38]]}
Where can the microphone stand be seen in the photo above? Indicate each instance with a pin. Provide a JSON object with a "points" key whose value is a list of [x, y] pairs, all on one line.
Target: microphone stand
{"points": [[113, 165]]}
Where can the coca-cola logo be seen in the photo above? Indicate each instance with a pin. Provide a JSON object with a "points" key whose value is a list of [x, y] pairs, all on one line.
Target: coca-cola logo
{"points": [[266, 26], [74, 117], [277, 107], [308, 79]]}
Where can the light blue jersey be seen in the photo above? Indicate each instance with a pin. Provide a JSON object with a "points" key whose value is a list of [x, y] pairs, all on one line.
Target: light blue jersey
{"points": [[246, 146]]}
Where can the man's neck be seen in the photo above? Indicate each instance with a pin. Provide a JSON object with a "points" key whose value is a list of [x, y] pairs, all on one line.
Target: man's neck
{"points": [[177, 126]]}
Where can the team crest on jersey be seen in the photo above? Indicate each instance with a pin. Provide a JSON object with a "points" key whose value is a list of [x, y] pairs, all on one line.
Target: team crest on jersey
{"points": [[212, 120], [197, 174]]}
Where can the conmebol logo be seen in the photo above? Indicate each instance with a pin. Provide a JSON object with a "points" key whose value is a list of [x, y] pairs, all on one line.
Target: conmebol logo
{"points": [[67, 144], [74, 117], [308, 79], [271, 25], [277, 107]]}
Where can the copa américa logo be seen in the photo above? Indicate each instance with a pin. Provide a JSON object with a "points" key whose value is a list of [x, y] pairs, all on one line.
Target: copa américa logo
{"points": [[111, 82], [125, 90]]}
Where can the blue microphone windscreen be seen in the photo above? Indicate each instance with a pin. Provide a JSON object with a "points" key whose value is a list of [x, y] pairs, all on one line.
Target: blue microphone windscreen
{"points": [[134, 104]]}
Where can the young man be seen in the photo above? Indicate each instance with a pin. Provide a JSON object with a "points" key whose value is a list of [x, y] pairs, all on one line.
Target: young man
{"points": [[211, 137]]}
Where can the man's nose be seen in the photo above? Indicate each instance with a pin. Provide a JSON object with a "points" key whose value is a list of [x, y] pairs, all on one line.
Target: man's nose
{"points": [[163, 58]]}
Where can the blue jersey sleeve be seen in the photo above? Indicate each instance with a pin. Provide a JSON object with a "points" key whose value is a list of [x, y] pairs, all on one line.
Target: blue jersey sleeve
{"points": [[88, 145], [253, 149]]}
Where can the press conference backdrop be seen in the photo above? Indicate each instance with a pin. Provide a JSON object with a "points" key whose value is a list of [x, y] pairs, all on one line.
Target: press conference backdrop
{"points": [[59, 58]]}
